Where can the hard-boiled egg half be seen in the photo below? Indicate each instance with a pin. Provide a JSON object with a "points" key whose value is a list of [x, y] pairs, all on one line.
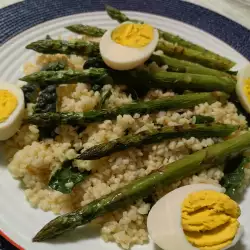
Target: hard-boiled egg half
{"points": [[195, 217], [243, 87], [11, 110], [128, 45]]}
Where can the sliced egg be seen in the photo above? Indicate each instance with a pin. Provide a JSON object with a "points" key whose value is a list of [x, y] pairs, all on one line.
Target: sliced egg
{"points": [[11, 110], [125, 57], [164, 221], [243, 87]]}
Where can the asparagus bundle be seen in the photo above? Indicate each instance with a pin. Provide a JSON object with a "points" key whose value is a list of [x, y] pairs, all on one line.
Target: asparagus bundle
{"points": [[170, 80], [208, 60], [182, 66], [140, 188], [174, 39], [168, 103], [86, 30], [154, 136], [76, 47], [91, 75]]}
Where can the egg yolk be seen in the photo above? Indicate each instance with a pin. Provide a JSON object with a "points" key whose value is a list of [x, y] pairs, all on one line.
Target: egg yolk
{"points": [[246, 88], [8, 103], [133, 35], [209, 219]]}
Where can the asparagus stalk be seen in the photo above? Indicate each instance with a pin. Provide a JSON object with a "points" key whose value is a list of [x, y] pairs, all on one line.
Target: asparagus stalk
{"points": [[90, 75], [140, 188], [100, 76], [182, 66], [86, 30], [203, 119], [154, 136], [184, 81], [77, 47], [121, 17], [208, 60], [168, 103]]}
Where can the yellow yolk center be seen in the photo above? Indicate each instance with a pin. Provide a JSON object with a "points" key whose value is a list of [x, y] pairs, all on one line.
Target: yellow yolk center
{"points": [[209, 219], [246, 88], [133, 35], [8, 103]]}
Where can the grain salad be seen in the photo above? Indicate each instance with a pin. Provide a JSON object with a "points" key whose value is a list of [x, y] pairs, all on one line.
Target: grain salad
{"points": [[35, 160]]}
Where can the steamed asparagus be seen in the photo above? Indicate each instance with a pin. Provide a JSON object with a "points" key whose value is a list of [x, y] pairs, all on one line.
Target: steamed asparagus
{"points": [[90, 75], [86, 30], [168, 103], [209, 60], [77, 47], [174, 39], [182, 66], [154, 136], [140, 188]]}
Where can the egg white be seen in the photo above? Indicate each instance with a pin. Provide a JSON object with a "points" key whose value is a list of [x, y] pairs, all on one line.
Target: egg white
{"points": [[242, 75], [120, 57], [11, 125], [164, 219]]}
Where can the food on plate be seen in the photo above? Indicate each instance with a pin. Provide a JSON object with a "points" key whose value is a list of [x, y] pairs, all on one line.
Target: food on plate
{"points": [[197, 216], [143, 186], [243, 87], [76, 47], [128, 45], [101, 144], [185, 49], [11, 110], [147, 107], [86, 30]]}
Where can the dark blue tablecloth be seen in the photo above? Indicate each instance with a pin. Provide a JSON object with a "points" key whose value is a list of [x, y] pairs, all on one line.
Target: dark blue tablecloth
{"points": [[21, 16]]}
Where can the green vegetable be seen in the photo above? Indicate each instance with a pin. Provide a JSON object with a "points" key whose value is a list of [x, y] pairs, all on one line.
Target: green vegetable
{"points": [[104, 98], [86, 30], [233, 181], [47, 100], [55, 66], [195, 82], [76, 47], [182, 66], [168, 103], [92, 75], [94, 62], [207, 60], [174, 39], [65, 178], [30, 91], [203, 119], [140, 188], [155, 136]]}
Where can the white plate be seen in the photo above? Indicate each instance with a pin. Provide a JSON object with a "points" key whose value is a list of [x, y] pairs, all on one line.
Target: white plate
{"points": [[17, 219]]}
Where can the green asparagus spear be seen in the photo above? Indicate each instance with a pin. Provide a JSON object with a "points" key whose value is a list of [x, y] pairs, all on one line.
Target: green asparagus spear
{"points": [[195, 82], [148, 107], [77, 47], [208, 60], [86, 30], [140, 188], [203, 119], [154, 136], [91, 75], [182, 66], [121, 17], [55, 66], [170, 80]]}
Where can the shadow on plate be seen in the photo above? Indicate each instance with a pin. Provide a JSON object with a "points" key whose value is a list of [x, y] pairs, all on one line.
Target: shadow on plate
{"points": [[79, 234]]}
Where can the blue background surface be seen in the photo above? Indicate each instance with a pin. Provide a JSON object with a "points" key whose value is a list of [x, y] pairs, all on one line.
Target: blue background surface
{"points": [[21, 16]]}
